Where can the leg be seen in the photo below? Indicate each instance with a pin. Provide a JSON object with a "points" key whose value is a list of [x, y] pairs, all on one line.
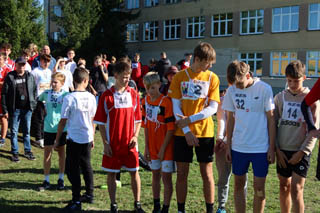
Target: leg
{"points": [[168, 188], [47, 160], [239, 193], [62, 158], [297, 187], [85, 165], [318, 164], [135, 185], [208, 181], [259, 199], [15, 121], [4, 128], [182, 181], [111, 181], [26, 122], [156, 187], [285, 194]]}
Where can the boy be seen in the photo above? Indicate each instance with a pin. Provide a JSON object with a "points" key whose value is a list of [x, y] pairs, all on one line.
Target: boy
{"points": [[136, 68], [70, 63], [78, 110], [4, 70], [119, 106], [6, 49], [185, 63], [195, 98], [293, 147], [53, 102], [158, 130], [250, 133]]}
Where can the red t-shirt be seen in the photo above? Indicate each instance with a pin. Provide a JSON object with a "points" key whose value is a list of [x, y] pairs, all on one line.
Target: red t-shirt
{"points": [[3, 73], [136, 71], [10, 64], [144, 70]]}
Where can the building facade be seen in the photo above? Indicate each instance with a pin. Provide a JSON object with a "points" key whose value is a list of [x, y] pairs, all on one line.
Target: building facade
{"points": [[51, 8]]}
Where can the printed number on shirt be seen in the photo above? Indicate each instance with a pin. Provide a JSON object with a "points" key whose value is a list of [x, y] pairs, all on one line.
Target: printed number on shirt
{"points": [[193, 90], [123, 100], [152, 112], [241, 102], [292, 112]]}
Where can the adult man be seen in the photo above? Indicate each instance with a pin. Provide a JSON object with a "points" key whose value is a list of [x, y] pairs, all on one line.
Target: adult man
{"points": [[18, 99], [36, 61], [162, 65]]}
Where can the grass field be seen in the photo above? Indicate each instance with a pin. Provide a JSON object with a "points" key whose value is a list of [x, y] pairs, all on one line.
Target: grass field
{"points": [[19, 184]]}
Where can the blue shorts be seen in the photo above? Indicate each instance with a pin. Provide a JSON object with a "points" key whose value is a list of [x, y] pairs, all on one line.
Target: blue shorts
{"points": [[241, 162]]}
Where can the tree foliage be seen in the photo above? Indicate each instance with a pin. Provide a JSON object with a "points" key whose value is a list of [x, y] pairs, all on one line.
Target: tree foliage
{"points": [[21, 23]]}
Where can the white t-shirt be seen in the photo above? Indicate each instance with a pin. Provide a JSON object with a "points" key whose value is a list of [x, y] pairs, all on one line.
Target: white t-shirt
{"points": [[28, 67], [71, 66], [79, 108], [69, 79], [250, 133], [42, 78]]}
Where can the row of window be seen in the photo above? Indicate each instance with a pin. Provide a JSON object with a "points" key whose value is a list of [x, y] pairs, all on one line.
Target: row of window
{"points": [[134, 4], [285, 19], [279, 62]]}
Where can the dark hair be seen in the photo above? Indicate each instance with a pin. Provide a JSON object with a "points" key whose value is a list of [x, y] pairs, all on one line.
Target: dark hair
{"points": [[121, 67], [71, 49], [45, 57], [80, 74], [236, 68], [296, 69], [6, 46], [204, 51], [26, 52]]}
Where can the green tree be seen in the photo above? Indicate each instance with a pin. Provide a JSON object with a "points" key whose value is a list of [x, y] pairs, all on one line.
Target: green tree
{"points": [[21, 23]]}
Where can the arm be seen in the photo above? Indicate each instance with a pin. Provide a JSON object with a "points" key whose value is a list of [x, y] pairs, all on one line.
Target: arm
{"points": [[134, 139], [106, 144], [230, 127], [166, 141], [146, 147], [61, 126], [307, 114], [272, 135], [55, 68], [104, 73], [221, 120], [4, 93]]}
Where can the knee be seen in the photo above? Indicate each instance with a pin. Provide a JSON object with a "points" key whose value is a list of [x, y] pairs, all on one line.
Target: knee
{"points": [[296, 191], [259, 193], [285, 187], [182, 175]]}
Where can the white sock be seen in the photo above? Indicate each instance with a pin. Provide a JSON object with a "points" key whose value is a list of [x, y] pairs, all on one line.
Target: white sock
{"points": [[61, 175], [47, 178]]}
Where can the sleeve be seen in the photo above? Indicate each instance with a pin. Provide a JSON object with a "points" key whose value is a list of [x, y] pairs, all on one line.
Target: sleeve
{"points": [[101, 115], [137, 112], [94, 106], [221, 120], [227, 101], [268, 100], [66, 107], [306, 111], [35, 76], [174, 89], [209, 110], [177, 110], [278, 107], [43, 96], [168, 115], [143, 111], [314, 94], [214, 94]]}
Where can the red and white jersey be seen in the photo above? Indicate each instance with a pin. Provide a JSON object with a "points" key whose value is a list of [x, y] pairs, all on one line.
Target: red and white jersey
{"points": [[3, 73], [10, 64], [119, 112]]}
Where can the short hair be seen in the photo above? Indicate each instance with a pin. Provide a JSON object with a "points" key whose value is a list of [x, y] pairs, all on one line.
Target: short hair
{"points": [[137, 54], [296, 69], [236, 70], [125, 59], [163, 53], [204, 51], [121, 67], [71, 49], [59, 57], [81, 59], [80, 74], [152, 61], [187, 54], [151, 78], [45, 57], [26, 52], [6, 46], [60, 76], [33, 47], [98, 57]]}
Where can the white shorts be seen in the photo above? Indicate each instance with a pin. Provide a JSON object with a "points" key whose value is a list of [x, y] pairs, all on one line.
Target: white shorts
{"points": [[168, 166]]}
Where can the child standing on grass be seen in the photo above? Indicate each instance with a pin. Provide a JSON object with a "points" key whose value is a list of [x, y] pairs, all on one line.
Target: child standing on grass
{"points": [[4, 70], [293, 147], [53, 102], [119, 119], [158, 130], [78, 110]]}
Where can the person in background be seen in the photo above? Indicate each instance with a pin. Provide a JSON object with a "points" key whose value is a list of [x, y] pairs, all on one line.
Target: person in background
{"points": [[169, 76], [6, 49], [162, 65], [26, 55], [136, 69], [71, 65], [45, 51], [61, 67], [33, 48], [186, 62], [4, 70]]}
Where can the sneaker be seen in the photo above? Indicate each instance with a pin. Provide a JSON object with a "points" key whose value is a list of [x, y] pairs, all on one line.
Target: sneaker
{"points": [[73, 207], [2, 142], [15, 158], [118, 183], [29, 156], [60, 185], [40, 143], [85, 198], [138, 208], [114, 208], [45, 185], [221, 210]]}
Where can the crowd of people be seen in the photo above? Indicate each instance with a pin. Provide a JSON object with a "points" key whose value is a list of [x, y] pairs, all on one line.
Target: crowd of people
{"points": [[61, 102]]}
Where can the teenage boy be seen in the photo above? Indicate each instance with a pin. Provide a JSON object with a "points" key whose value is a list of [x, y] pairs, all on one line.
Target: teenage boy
{"points": [[293, 147], [185, 63], [4, 70], [119, 106], [195, 98], [6, 49], [77, 112], [250, 133], [136, 68], [71, 65], [18, 99]]}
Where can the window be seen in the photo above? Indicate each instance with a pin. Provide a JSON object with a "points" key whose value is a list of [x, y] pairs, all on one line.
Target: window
{"points": [[132, 4], [195, 27], [151, 3], [313, 63], [251, 22], [285, 19], [279, 62], [314, 17], [150, 30], [171, 29], [172, 1], [221, 24], [57, 10], [254, 60], [132, 32], [55, 36]]}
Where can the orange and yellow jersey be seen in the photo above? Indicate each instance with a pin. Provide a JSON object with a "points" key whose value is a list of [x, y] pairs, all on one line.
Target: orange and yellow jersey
{"points": [[157, 118], [195, 90]]}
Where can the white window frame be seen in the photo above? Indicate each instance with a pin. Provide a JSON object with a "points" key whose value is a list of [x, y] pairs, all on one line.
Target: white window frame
{"points": [[57, 10], [132, 4], [148, 26], [316, 65], [176, 27], [256, 18], [172, 1], [289, 59], [193, 24], [318, 18], [221, 22], [151, 3], [255, 60], [135, 29], [291, 14]]}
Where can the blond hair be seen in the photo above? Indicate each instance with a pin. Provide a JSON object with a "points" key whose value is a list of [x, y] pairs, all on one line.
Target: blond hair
{"points": [[59, 76], [237, 70], [151, 78]]}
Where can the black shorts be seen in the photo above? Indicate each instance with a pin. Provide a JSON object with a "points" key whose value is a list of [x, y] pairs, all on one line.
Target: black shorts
{"points": [[184, 153], [49, 138], [300, 168]]}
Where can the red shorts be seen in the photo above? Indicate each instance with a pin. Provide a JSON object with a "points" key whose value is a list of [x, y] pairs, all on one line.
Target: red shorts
{"points": [[129, 162]]}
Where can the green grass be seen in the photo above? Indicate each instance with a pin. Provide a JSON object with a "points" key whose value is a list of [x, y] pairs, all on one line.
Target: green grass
{"points": [[19, 183]]}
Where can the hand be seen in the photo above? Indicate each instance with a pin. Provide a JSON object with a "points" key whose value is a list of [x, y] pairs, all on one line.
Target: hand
{"points": [[161, 154], [133, 142], [107, 150], [314, 133], [147, 155], [55, 145], [191, 139], [228, 154], [92, 145], [281, 159], [271, 155], [296, 158], [220, 146], [183, 122]]}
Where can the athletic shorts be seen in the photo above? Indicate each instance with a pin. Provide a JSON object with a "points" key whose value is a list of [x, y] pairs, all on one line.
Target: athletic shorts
{"points": [[241, 162], [168, 166], [184, 153], [1, 112], [129, 162], [300, 168], [50, 138]]}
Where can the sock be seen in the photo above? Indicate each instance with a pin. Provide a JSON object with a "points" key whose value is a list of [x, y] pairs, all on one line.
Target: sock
{"points": [[165, 209], [181, 207], [209, 207], [61, 176], [156, 204], [137, 204], [47, 178]]}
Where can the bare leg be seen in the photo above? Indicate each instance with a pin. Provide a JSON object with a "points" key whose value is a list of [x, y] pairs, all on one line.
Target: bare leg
{"points": [[285, 194], [208, 181], [297, 187], [182, 181], [239, 193], [62, 158], [111, 181], [259, 199], [47, 160], [156, 187], [168, 188], [135, 185]]}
